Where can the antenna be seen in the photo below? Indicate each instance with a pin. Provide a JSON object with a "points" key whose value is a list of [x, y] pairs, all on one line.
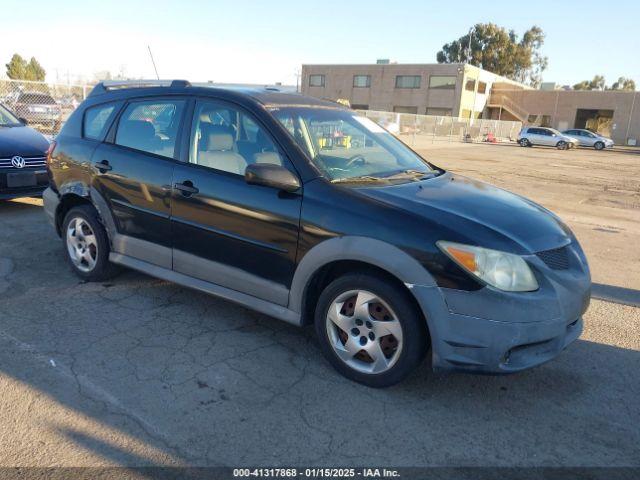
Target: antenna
{"points": [[154, 63]]}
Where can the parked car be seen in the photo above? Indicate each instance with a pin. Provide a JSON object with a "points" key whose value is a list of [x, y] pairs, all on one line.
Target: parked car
{"points": [[530, 136], [236, 193], [587, 138], [38, 108], [23, 154]]}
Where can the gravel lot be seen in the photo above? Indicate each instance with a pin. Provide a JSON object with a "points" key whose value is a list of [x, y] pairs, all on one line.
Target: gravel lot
{"points": [[141, 372]]}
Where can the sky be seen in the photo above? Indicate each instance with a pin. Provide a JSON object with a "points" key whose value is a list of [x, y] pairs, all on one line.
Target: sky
{"points": [[240, 41]]}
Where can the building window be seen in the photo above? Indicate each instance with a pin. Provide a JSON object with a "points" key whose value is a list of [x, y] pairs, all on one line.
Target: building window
{"points": [[442, 82], [470, 86], [316, 80], [357, 106], [362, 81], [482, 87], [401, 109], [439, 112], [545, 121], [408, 81], [533, 118]]}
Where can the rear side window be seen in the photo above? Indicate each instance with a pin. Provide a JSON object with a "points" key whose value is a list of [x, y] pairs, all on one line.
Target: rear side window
{"points": [[151, 126], [97, 120]]}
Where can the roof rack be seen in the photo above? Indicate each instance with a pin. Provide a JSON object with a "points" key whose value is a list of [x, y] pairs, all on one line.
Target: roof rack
{"points": [[106, 85]]}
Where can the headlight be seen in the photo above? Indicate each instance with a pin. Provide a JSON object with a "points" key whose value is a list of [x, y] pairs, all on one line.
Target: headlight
{"points": [[501, 270]]}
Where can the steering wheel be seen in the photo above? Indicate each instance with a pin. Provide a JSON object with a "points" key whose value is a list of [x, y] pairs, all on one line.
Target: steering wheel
{"points": [[356, 159]]}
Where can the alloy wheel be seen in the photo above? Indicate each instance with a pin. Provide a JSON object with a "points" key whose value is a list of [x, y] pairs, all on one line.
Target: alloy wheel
{"points": [[82, 244], [364, 332]]}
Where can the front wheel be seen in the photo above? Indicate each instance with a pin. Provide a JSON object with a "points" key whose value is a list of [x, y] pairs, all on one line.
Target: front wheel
{"points": [[598, 145], [87, 245], [561, 145], [370, 330]]}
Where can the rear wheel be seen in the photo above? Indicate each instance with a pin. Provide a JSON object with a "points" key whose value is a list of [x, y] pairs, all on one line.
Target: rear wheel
{"points": [[87, 245], [561, 145], [598, 145], [370, 330], [524, 142]]}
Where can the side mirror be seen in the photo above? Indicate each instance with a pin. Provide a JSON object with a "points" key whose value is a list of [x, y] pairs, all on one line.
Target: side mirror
{"points": [[23, 120], [271, 175]]}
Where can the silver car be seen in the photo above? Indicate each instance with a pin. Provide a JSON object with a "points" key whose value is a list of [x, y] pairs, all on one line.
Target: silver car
{"points": [[530, 136], [587, 138]]}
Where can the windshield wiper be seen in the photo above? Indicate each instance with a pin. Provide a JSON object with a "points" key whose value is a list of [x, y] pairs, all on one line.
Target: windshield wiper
{"points": [[414, 174], [360, 179]]}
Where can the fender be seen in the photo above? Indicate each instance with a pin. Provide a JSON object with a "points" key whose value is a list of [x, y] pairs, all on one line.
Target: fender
{"points": [[375, 252]]}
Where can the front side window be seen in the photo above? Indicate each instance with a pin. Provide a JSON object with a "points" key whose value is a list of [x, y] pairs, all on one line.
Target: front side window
{"points": [[482, 87], [442, 82], [316, 80], [151, 126], [228, 139], [362, 81], [97, 120], [347, 147], [470, 86], [408, 81]]}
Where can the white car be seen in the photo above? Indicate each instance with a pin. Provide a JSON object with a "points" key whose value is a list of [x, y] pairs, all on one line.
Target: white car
{"points": [[587, 138], [530, 136]]}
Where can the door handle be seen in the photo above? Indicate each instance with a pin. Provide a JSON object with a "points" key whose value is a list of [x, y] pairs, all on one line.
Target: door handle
{"points": [[103, 166], [186, 188]]}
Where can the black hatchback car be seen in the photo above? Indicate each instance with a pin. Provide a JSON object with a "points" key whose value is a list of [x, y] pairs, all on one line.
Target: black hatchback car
{"points": [[23, 153], [305, 211]]}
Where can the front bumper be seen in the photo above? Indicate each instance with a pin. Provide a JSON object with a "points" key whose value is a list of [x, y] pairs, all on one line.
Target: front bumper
{"points": [[8, 192], [489, 331]]}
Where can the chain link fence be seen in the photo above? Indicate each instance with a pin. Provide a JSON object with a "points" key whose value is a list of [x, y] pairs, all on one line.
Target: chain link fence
{"points": [[44, 106], [419, 131]]}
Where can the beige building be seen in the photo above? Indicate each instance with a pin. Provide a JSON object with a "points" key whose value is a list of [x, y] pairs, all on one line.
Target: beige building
{"points": [[465, 91]]}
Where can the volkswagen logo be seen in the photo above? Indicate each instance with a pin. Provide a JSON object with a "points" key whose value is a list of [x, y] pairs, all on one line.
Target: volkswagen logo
{"points": [[18, 161]]}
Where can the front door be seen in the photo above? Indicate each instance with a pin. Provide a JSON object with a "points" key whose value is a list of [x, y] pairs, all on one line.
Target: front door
{"points": [[133, 174], [225, 231]]}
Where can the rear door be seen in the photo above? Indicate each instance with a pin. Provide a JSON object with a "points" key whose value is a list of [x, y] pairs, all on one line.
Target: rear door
{"points": [[133, 171], [225, 231]]}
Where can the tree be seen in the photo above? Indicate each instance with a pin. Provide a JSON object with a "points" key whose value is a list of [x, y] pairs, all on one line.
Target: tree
{"points": [[493, 48], [19, 69], [598, 83], [35, 71], [16, 67], [626, 84]]}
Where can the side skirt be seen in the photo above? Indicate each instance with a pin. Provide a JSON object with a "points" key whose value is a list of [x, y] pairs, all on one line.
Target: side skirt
{"points": [[262, 306]]}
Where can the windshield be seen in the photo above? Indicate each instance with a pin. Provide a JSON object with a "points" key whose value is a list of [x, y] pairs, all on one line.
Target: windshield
{"points": [[348, 147], [8, 119]]}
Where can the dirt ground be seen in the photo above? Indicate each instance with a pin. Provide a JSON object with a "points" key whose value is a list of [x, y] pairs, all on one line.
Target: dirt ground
{"points": [[596, 193]]}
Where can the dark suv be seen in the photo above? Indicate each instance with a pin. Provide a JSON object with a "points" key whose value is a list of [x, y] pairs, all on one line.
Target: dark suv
{"points": [[305, 211]]}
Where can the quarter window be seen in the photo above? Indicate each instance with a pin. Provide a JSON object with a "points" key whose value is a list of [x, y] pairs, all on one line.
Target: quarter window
{"points": [[442, 82], [97, 120], [470, 86], [316, 80], [482, 87], [362, 81]]}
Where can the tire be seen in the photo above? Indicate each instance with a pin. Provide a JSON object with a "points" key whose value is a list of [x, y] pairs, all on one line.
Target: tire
{"points": [[390, 326], [524, 142], [598, 146], [86, 244], [562, 145]]}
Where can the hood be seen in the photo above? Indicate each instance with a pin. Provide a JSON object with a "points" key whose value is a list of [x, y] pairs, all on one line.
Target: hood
{"points": [[482, 214], [23, 141]]}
